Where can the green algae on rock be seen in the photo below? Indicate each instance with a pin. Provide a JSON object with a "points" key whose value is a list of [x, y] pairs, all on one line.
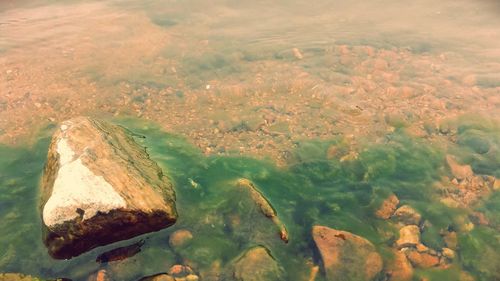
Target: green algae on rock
{"points": [[99, 186], [265, 206], [257, 264]]}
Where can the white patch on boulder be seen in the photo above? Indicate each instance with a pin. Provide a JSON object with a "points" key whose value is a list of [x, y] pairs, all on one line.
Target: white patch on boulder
{"points": [[77, 187]]}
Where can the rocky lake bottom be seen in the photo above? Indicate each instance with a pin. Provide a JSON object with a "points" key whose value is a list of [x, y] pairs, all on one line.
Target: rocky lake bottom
{"points": [[290, 131], [326, 183]]}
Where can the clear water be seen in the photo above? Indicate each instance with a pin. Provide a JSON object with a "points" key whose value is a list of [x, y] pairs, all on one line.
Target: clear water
{"points": [[219, 93]]}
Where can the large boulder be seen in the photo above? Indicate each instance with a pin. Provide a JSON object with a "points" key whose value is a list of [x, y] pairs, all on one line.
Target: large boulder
{"points": [[346, 256], [257, 264], [99, 186]]}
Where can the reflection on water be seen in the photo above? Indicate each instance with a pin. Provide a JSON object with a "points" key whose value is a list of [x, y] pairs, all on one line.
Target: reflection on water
{"points": [[328, 107]]}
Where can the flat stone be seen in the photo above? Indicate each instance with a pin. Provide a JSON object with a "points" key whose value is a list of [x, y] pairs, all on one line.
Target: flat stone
{"points": [[346, 256], [99, 186], [409, 236]]}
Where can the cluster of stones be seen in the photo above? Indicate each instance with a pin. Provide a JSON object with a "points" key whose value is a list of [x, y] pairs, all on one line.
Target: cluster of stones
{"points": [[94, 168], [464, 188], [408, 249]]}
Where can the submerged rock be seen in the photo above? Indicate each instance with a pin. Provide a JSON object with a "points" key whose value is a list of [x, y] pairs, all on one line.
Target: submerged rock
{"points": [[407, 215], [179, 238], [265, 206], [346, 256], [400, 269], [409, 236], [99, 186], [257, 264], [388, 207], [448, 253]]}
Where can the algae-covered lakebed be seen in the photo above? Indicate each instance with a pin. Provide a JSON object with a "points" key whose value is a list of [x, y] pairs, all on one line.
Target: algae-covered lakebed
{"points": [[325, 183]]}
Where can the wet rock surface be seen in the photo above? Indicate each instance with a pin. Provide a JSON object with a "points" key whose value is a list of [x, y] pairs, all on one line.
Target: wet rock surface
{"points": [[99, 186], [346, 256]]}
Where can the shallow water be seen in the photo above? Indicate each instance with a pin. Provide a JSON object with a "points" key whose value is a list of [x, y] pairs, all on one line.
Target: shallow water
{"points": [[263, 91]]}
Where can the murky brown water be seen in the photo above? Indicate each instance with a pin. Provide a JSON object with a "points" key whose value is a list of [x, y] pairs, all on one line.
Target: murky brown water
{"points": [[250, 77]]}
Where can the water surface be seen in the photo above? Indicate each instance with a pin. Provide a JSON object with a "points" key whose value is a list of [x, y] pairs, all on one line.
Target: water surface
{"points": [[231, 89]]}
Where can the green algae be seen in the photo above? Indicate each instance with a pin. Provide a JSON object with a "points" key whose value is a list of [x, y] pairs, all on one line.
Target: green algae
{"points": [[320, 186]]}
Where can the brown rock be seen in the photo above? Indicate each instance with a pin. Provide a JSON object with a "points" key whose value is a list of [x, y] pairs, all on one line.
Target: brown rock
{"points": [[422, 260], [400, 268], [409, 236], [388, 207], [461, 172], [99, 186], [346, 256], [179, 238], [407, 215], [448, 253], [179, 270]]}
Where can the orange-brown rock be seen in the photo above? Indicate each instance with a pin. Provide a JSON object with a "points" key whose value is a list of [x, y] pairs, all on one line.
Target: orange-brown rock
{"points": [[388, 207], [99, 186], [407, 215], [346, 256], [409, 236], [400, 268], [179, 238], [422, 260]]}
